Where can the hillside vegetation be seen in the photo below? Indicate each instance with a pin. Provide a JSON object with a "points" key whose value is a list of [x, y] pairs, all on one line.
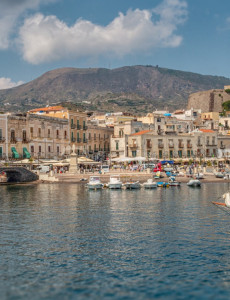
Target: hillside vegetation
{"points": [[136, 89]]}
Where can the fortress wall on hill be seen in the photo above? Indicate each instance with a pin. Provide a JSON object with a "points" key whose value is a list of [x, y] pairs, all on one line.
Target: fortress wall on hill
{"points": [[208, 101]]}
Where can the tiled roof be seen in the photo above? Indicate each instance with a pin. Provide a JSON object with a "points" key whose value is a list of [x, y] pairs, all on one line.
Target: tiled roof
{"points": [[141, 132], [206, 130], [49, 108]]}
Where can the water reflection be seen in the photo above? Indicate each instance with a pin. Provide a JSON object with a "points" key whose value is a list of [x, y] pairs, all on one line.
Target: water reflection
{"points": [[63, 241]]}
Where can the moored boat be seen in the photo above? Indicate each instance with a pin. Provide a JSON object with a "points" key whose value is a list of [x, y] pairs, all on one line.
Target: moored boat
{"points": [[114, 182], [162, 184], [219, 175], [94, 183], [173, 181], [150, 184], [194, 183], [132, 185]]}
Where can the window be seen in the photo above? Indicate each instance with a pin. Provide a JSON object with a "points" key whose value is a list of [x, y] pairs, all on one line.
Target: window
{"points": [[117, 145], [40, 149], [12, 136], [39, 132], [160, 153], [84, 139], [94, 136], [180, 153], [31, 131], [65, 134], [1, 152], [49, 149], [213, 140], [24, 135], [48, 133], [134, 153], [170, 153], [58, 149], [207, 140], [57, 134], [188, 153], [0, 133], [32, 149]]}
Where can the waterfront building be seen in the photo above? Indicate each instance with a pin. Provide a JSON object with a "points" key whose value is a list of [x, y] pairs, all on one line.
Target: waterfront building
{"points": [[195, 144], [36, 136], [98, 145], [3, 136]]}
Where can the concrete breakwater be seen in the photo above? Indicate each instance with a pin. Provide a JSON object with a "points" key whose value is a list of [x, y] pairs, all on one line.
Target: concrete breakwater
{"points": [[18, 175]]}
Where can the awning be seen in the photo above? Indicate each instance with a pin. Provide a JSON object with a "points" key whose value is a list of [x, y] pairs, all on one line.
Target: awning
{"points": [[26, 154], [14, 152], [167, 162]]}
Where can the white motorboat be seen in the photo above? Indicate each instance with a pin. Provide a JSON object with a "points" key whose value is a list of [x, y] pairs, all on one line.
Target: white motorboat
{"points": [[194, 183], [115, 182], [132, 185], [173, 181], [219, 175], [199, 176], [150, 184], [94, 183]]}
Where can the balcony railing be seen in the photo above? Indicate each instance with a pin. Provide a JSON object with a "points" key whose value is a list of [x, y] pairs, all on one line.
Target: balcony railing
{"points": [[160, 145], [222, 146], [211, 145], [85, 127], [189, 145], [2, 139], [73, 140], [78, 127], [133, 146], [13, 141], [171, 145], [25, 141], [149, 145], [85, 140], [73, 126], [180, 145], [199, 144], [79, 140]]}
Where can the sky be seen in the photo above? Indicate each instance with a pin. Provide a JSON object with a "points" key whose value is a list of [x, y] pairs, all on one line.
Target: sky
{"points": [[37, 36]]}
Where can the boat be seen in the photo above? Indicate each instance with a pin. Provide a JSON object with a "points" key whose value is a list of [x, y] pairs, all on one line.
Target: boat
{"points": [[3, 177], [150, 184], [219, 175], [194, 183], [226, 203], [114, 182], [173, 181], [162, 184], [132, 185], [199, 176], [94, 183]]}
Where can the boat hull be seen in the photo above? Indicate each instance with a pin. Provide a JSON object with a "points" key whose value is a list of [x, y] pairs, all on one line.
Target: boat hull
{"points": [[97, 186], [115, 186]]}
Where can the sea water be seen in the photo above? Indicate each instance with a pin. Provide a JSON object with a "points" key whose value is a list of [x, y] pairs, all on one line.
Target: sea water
{"points": [[61, 241]]}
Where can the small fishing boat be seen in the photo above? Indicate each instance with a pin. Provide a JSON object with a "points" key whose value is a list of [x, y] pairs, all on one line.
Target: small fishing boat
{"points": [[173, 181], [94, 183], [162, 184], [194, 183], [3, 177], [132, 185], [226, 203], [150, 184], [114, 182], [219, 175], [199, 176]]}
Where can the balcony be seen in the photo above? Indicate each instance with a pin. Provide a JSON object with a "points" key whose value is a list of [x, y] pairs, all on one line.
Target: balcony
{"points": [[160, 145], [13, 141], [25, 141], [73, 126], [160, 131], [211, 145], [180, 145], [78, 140], [73, 140], [2, 139], [133, 146], [171, 145], [189, 145], [85, 140], [222, 146], [78, 127], [199, 144], [149, 145], [85, 127]]}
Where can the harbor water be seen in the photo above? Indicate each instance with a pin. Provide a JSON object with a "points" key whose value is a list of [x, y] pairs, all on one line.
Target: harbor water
{"points": [[65, 242]]}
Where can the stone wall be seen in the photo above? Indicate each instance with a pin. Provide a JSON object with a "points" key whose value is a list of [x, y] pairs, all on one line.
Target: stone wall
{"points": [[19, 174], [208, 101]]}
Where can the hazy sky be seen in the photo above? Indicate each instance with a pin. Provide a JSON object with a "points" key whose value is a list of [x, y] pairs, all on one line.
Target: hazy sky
{"points": [[40, 35]]}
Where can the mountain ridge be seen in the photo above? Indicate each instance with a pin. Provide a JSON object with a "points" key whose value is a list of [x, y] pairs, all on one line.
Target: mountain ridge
{"points": [[129, 88]]}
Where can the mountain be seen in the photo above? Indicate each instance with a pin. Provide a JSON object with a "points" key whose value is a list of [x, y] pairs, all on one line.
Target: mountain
{"points": [[135, 89]]}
